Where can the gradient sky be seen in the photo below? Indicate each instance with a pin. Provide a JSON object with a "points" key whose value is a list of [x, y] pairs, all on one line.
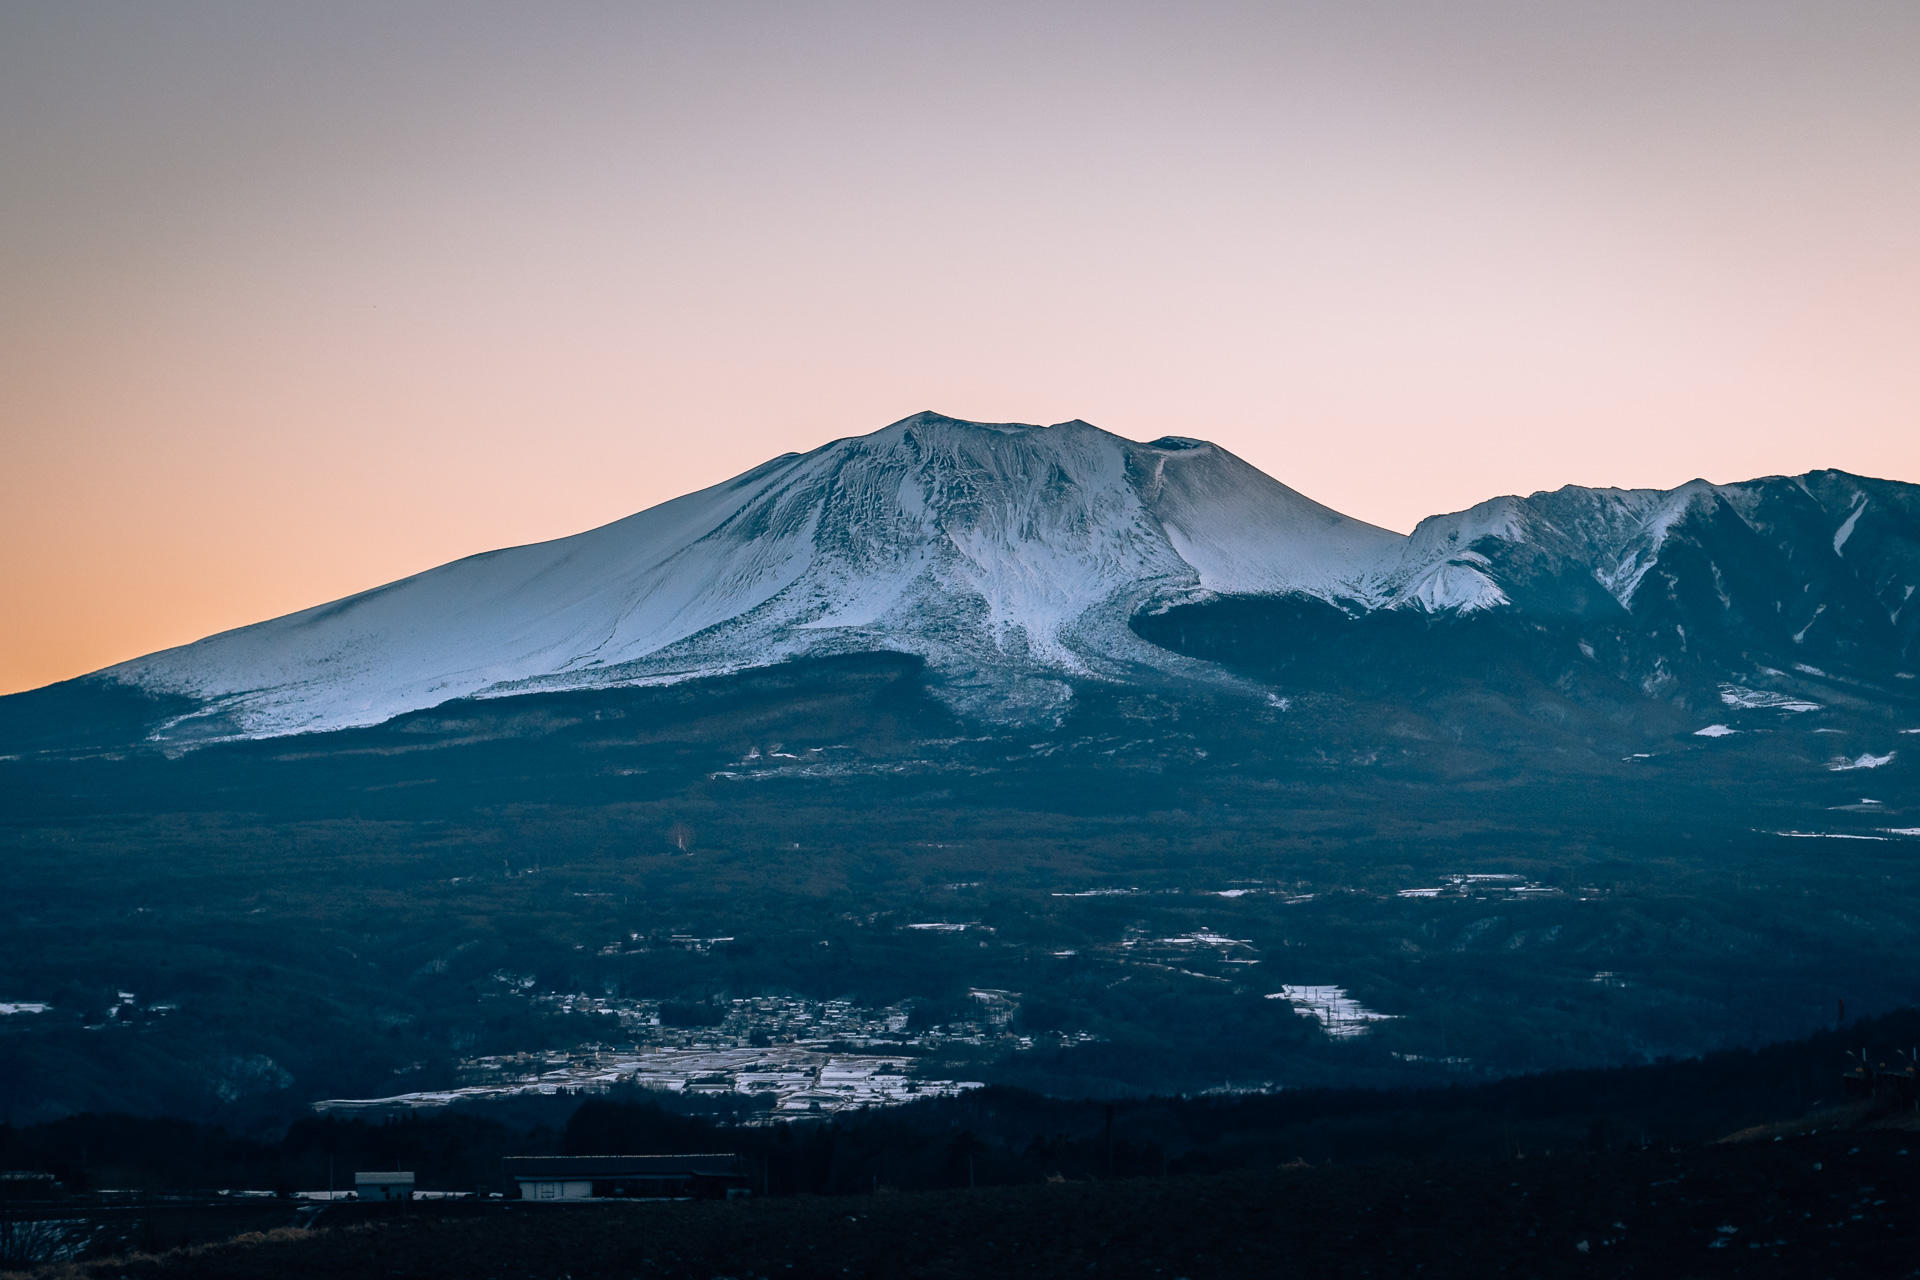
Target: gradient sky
{"points": [[299, 298]]}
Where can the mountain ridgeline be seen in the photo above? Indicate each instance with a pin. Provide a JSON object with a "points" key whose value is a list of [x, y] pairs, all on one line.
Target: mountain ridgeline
{"points": [[1021, 562]]}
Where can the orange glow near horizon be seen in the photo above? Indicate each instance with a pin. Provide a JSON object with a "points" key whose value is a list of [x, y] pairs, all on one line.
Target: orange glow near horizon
{"points": [[296, 302]]}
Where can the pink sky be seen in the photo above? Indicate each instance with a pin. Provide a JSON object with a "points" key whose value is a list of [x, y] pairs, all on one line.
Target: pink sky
{"points": [[299, 299]]}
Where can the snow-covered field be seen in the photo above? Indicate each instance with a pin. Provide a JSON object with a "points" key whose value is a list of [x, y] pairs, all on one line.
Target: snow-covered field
{"points": [[1339, 1014], [1735, 695], [1483, 885]]}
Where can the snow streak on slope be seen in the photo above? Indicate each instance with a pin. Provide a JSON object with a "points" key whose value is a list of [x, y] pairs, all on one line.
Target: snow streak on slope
{"points": [[1438, 569], [1008, 555]]}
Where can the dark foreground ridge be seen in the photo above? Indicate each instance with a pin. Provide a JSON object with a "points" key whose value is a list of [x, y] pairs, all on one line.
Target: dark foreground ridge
{"points": [[1833, 1202], [1766, 1162]]}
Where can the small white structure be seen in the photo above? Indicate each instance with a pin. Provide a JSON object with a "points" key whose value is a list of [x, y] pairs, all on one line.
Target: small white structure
{"points": [[383, 1186], [582, 1178]]}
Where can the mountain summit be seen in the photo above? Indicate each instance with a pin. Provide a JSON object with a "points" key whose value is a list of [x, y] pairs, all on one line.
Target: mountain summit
{"points": [[1017, 558]]}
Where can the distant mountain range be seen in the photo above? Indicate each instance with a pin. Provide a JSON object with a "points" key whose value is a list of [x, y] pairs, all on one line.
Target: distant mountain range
{"points": [[1018, 560]]}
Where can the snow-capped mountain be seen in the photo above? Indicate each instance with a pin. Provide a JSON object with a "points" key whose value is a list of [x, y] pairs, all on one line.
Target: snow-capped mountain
{"points": [[1013, 559], [1007, 554]]}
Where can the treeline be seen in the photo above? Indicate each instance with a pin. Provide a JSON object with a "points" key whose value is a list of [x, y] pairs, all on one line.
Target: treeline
{"points": [[990, 1136]]}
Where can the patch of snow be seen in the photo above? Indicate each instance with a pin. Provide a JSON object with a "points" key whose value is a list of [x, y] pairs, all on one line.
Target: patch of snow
{"points": [[1340, 1015], [1480, 884], [1715, 731], [1826, 835], [1457, 584], [1902, 831], [10, 1007], [1845, 531], [1863, 761], [1201, 937], [1735, 695], [1436, 567]]}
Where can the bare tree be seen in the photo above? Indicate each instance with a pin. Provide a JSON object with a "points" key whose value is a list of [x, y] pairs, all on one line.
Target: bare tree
{"points": [[26, 1241], [680, 836]]}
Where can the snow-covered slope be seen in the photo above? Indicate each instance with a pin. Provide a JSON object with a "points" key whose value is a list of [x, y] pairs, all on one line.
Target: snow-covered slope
{"points": [[1818, 566], [1007, 554], [1012, 557]]}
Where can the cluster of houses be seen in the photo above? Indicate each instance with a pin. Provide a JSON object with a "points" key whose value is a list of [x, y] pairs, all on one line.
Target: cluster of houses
{"points": [[786, 1079]]}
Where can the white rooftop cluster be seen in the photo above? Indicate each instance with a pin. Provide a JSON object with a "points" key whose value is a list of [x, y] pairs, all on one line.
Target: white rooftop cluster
{"points": [[792, 1079]]}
